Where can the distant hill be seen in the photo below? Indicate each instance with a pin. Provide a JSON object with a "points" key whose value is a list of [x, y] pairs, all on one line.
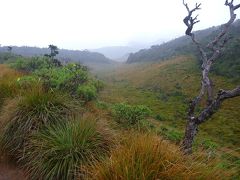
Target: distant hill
{"points": [[85, 57], [117, 53], [181, 45], [228, 64]]}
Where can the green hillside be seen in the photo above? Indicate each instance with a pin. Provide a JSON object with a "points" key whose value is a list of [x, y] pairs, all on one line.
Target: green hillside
{"points": [[166, 88], [228, 65]]}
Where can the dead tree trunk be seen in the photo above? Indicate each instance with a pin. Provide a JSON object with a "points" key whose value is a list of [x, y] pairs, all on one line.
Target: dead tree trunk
{"points": [[213, 102]]}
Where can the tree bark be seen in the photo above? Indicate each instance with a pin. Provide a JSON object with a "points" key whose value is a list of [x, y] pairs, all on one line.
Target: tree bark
{"points": [[190, 133], [213, 103]]}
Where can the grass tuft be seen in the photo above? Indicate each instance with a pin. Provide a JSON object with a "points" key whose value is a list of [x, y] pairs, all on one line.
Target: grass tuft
{"points": [[146, 157], [30, 113], [58, 152]]}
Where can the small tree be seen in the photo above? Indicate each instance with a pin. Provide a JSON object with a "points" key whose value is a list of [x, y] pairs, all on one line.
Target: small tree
{"points": [[53, 52], [213, 101], [9, 49]]}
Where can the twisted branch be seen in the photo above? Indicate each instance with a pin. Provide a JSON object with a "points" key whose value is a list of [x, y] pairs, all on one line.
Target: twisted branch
{"points": [[213, 103]]}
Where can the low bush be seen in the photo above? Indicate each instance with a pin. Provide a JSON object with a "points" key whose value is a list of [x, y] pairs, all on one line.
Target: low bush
{"points": [[29, 114], [30, 64], [66, 78], [130, 115], [146, 157], [87, 92], [59, 152]]}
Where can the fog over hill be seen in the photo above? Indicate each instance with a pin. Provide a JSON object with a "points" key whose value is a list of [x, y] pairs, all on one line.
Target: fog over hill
{"points": [[183, 45], [121, 53], [84, 57]]}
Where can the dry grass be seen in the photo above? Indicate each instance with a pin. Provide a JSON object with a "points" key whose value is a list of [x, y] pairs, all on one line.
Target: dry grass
{"points": [[8, 85], [5, 71], [145, 157]]}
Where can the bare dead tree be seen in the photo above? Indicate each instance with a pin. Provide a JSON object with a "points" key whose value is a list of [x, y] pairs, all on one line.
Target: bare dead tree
{"points": [[213, 102]]}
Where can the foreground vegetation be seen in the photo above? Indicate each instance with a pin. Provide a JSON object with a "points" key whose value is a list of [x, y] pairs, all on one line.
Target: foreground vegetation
{"points": [[55, 123]]}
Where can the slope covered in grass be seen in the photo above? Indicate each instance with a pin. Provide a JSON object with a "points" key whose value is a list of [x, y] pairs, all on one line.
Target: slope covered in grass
{"points": [[51, 136], [166, 87]]}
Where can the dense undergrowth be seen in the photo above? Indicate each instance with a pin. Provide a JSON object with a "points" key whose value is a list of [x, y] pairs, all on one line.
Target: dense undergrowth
{"points": [[54, 125]]}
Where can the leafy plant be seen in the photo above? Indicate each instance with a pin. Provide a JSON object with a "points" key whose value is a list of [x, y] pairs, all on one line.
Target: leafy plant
{"points": [[130, 115], [31, 64], [65, 78], [59, 151], [87, 92]]}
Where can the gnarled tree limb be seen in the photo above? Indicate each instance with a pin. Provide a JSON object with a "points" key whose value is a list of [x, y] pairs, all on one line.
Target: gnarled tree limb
{"points": [[216, 46]]}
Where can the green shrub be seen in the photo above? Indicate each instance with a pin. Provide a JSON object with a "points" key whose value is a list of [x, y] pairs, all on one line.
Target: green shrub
{"points": [[29, 114], [65, 78], [97, 84], [87, 92], [130, 115], [31, 64], [59, 152]]}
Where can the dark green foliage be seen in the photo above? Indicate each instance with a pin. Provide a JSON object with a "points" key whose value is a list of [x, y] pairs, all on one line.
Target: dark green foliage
{"points": [[31, 64], [53, 51], [229, 64], [66, 78], [97, 84], [30, 113], [87, 92], [130, 115], [59, 152], [6, 57]]}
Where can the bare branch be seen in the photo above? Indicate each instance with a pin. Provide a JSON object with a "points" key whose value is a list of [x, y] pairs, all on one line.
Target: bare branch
{"points": [[215, 105], [212, 104], [189, 21], [226, 26]]}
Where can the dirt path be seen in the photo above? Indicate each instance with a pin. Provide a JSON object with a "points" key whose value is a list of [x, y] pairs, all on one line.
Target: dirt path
{"points": [[8, 171]]}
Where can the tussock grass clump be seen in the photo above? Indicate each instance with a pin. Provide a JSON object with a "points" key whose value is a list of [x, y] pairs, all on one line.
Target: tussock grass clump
{"points": [[58, 152], [146, 157], [30, 113]]}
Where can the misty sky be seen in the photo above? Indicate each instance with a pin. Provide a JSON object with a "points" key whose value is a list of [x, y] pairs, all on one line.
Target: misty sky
{"points": [[85, 24]]}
